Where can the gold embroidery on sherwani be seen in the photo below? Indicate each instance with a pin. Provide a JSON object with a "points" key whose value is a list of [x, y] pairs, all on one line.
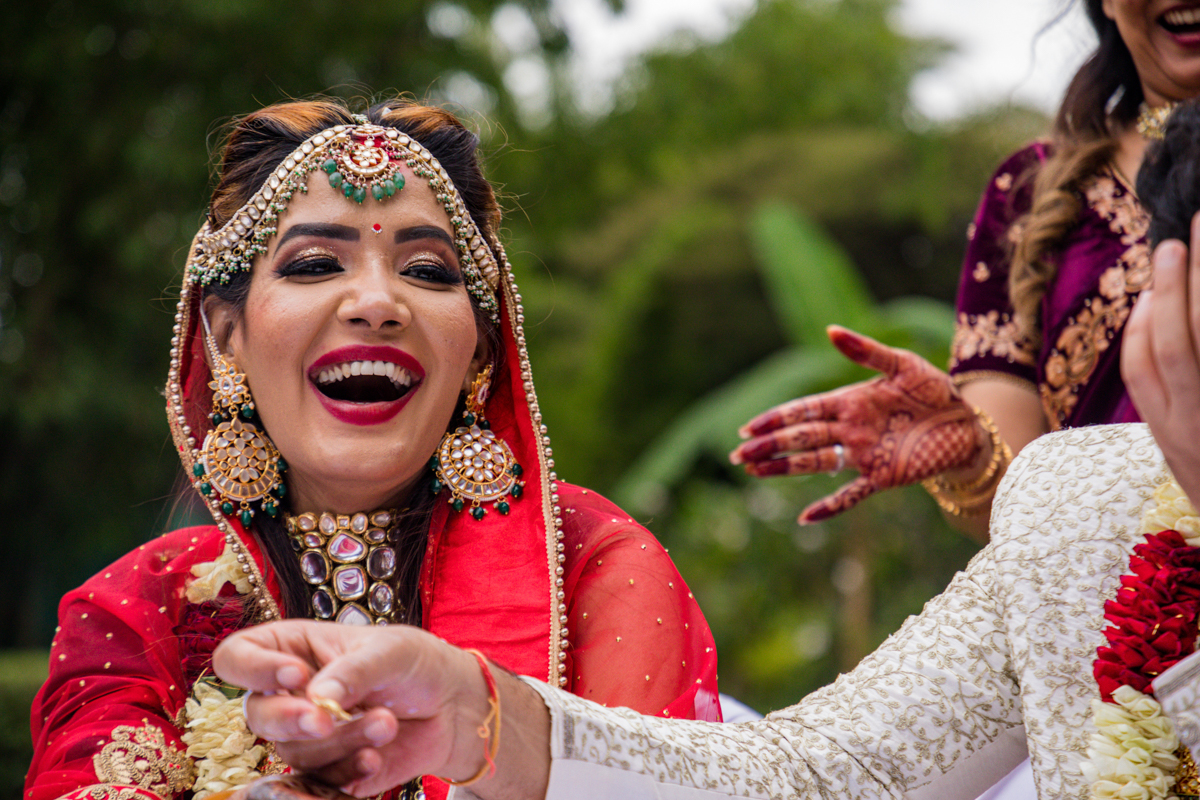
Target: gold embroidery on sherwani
{"points": [[994, 333], [1089, 333], [142, 757]]}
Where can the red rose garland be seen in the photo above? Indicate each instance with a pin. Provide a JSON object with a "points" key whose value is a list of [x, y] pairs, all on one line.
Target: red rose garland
{"points": [[1153, 626], [1153, 616]]}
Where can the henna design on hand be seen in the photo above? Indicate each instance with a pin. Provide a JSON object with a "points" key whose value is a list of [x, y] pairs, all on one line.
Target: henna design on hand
{"points": [[908, 424]]}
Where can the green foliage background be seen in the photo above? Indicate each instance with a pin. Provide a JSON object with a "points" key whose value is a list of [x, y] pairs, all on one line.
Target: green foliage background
{"points": [[678, 256]]}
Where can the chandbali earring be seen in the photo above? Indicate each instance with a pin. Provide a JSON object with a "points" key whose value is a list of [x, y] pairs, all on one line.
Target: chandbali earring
{"points": [[237, 461], [473, 463]]}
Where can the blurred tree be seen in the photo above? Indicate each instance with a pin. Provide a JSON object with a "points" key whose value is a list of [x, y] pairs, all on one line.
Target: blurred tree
{"points": [[107, 112], [633, 238], [813, 607]]}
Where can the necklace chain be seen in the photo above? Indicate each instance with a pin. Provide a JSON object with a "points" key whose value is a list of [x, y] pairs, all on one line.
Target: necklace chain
{"points": [[1152, 120]]}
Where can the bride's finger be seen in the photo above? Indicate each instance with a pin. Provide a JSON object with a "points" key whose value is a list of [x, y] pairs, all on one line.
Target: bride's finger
{"points": [[803, 436], [265, 658], [285, 717], [374, 729]]}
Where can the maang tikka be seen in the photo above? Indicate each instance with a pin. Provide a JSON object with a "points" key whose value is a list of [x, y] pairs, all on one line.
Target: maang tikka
{"points": [[473, 463], [237, 460]]}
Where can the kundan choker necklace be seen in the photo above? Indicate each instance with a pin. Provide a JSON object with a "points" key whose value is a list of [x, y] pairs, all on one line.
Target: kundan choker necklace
{"points": [[349, 561], [1152, 120]]}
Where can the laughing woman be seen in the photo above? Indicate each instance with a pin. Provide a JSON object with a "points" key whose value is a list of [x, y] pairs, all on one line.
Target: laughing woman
{"points": [[351, 396]]}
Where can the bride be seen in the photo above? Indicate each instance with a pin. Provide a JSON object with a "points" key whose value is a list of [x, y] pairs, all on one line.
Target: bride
{"points": [[351, 397]]}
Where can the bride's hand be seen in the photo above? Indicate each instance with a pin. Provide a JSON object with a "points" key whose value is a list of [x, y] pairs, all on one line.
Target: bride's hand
{"points": [[417, 701], [1160, 358], [908, 424]]}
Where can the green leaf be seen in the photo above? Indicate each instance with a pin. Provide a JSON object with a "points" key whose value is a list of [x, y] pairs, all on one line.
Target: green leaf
{"points": [[711, 424], [810, 279]]}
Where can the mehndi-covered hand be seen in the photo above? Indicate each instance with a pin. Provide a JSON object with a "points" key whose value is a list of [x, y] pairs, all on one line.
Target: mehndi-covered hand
{"points": [[908, 424]]}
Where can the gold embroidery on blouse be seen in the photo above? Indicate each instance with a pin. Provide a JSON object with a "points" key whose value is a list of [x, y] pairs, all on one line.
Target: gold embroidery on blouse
{"points": [[981, 272], [142, 757], [272, 763], [1088, 334], [1004, 182], [991, 333], [102, 791]]}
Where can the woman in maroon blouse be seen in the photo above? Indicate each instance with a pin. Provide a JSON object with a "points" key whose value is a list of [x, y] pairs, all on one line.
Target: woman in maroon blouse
{"points": [[1056, 258]]}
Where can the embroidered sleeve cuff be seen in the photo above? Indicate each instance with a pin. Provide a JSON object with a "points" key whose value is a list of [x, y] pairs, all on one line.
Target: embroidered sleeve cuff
{"points": [[111, 791]]}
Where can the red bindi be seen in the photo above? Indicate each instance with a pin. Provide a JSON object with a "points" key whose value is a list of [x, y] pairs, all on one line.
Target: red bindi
{"points": [[377, 227]]}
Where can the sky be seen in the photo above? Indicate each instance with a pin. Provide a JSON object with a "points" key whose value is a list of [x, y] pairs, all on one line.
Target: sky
{"points": [[1003, 51]]}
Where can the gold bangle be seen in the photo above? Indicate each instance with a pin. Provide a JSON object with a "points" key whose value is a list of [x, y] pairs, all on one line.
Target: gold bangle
{"points": [[486, 731], [974, 496]]}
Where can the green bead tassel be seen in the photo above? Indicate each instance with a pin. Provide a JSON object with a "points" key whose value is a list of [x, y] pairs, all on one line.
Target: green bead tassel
{"points": [[477, 512]]}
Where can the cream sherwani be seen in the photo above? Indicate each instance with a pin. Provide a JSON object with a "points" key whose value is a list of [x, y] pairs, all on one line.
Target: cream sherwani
{"points": [[997, 666]]}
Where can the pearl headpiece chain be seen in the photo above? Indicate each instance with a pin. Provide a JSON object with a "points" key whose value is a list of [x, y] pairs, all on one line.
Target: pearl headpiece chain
{"points": [[358, 160]]}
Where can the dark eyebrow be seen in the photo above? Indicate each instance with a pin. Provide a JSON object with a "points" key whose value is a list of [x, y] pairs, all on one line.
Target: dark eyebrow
{"points": [[424, 232], [322, 230]]}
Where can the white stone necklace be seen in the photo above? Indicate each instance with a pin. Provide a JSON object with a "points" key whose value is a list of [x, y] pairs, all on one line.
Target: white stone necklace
{"points": [[349, 561]]}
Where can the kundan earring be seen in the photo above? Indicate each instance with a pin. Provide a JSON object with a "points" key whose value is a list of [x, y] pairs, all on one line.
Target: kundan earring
{"points": [[475, 465], [237, 461]]}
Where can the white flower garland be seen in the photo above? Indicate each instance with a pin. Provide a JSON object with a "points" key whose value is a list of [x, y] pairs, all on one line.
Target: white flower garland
{"points": [[220, 742], [210, 576], [1132, 754], [217, 736]]}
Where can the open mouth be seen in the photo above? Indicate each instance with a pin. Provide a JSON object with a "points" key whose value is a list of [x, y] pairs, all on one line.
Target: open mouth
{"points": [[1181, 21], [364, 381]]}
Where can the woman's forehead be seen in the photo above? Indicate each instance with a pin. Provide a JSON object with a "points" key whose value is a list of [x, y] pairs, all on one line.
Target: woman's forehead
{"points": [[414, 204]]}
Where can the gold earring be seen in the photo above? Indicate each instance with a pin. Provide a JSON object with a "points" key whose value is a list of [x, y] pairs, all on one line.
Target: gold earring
{"points": [[237, 460], [473, 463]]}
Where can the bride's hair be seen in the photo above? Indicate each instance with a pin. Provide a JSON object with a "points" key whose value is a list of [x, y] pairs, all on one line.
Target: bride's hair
{"points": [[1168, 184]]}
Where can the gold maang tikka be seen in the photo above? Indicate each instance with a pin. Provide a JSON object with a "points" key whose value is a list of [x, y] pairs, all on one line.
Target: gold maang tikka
{"points": [[473, 463], [237, 461]]}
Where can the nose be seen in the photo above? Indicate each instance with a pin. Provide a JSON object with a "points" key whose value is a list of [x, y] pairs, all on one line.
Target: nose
{"points": [[374, 300]]}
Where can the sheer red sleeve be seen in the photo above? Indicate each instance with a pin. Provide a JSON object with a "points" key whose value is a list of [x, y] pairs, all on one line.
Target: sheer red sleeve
{"points": [[638, 638], [107, 723]]}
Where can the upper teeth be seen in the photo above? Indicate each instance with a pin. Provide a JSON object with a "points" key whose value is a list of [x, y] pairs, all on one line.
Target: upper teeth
{"points": [[1183, 16], [398, 375]]}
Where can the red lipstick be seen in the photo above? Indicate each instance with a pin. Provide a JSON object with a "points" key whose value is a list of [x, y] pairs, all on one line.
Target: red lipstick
{"points": [[366, 413]]}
